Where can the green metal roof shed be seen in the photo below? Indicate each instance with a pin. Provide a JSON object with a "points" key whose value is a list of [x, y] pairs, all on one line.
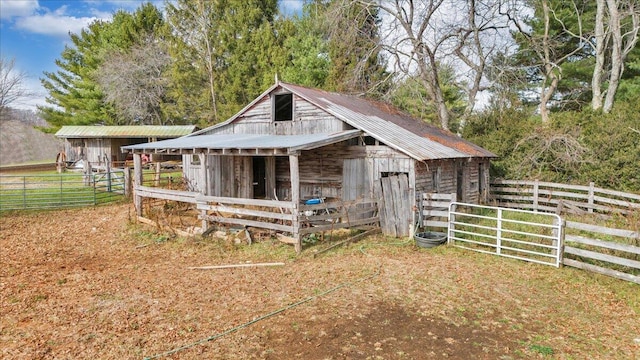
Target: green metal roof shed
{"points": [[126, 131]]}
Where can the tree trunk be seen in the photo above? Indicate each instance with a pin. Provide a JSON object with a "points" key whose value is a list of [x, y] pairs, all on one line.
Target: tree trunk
{"points": [[616, 55], [546, 93], [598, 70]]}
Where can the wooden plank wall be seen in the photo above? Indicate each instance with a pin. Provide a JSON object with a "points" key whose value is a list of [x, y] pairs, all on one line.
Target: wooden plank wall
{"points": [[96, 148], [308, 119], [321, 171], [74, 149], [444, 172]]}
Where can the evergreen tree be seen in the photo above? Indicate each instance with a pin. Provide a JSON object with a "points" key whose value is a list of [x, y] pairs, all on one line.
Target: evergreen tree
{"points": [[354, 49], [76, 97], [225, 54]]}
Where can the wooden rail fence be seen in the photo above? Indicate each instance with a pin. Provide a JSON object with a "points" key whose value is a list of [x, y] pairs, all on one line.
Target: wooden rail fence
{"points": [[604, 250], [618, 258], [562, 198]]}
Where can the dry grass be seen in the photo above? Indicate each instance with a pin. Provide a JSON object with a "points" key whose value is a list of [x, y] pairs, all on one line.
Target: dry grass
{"points": [[86, 283]]}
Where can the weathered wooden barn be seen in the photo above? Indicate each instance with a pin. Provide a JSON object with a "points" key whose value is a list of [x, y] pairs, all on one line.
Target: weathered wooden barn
{"points": [[294, 143], [100, 145]]}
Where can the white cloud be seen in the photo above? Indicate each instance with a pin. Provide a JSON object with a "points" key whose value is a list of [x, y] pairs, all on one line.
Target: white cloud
{"points": [[13, 8], [54, 24]]}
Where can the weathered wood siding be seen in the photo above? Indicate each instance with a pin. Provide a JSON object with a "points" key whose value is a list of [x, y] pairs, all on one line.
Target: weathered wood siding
{"points": [[442, 176], [74, 149], [116, 154], [97, 149], [308, 119]]}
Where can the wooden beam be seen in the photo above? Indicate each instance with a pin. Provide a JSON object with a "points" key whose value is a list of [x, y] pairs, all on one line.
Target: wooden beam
{"points": [[213, 267], [137, 181], [203, 176], [295, 198]]}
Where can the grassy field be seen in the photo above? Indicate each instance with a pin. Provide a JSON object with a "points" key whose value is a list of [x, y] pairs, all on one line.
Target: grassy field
{"points": [[49, 189]]}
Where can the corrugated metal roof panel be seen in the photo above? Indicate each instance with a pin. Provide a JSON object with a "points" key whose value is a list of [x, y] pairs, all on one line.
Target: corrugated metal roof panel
{"points": [[391, 126], [246, 141], [130, 131]]}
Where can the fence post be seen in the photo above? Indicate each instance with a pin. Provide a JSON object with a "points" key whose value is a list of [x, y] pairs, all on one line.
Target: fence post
{"points": [[558, 240], [536, 187], [591, 196], [127, 181], [95, 193], [499, 232], [137, 178], [452, 218], [108, 175]]}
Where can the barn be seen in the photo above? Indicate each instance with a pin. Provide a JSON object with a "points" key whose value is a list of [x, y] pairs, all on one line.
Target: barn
{"points": [[100, 145], [295, 150]]}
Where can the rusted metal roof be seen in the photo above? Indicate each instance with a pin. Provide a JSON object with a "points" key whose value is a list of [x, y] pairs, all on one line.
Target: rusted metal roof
{"points": [[391, 126], [381, 121], [130, 131], [285, 143]]}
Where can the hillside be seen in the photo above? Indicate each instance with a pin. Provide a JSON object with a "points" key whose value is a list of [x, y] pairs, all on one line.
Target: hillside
{"points": [[21, 143]]}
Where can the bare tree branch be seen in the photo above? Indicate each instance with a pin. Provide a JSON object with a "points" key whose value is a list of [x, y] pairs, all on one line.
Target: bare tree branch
{"points": [[11, 85]]}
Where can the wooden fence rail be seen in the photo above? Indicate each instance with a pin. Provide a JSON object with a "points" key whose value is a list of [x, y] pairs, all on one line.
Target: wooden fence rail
{"points": [[562, 198], [608, 251], [618, 259]]}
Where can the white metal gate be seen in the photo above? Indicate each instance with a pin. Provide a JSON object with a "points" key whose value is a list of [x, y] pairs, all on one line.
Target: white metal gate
{"points": [[519, 234]]}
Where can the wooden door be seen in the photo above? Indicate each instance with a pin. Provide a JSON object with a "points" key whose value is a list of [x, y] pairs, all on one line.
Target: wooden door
{"points": [[394, 205]]}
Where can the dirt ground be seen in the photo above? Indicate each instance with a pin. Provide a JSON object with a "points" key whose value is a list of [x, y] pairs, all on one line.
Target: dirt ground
{"points": [[91, 284]]}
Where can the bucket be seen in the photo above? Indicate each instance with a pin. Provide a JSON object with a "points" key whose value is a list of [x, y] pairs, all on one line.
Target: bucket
{"points": [[430, 239]]}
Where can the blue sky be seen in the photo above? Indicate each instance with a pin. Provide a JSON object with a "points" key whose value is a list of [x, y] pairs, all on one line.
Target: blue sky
{"points": [[34, 32]]}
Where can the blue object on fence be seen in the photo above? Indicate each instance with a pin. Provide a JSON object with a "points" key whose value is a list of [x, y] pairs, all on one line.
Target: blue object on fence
{"points": [[313, 202]]}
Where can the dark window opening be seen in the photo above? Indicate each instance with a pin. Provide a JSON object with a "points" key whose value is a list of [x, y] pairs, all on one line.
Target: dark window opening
{"points": [[283, 107], [392, 173], [460, 183]]}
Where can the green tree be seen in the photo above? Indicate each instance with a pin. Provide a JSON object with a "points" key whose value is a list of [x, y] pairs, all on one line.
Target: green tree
{"points": [[307, 62], [549, 42], [354, 49], [411, 96], [225, 54], [73, 89]]}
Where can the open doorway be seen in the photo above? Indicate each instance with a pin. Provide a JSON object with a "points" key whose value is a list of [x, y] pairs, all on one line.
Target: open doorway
{"points": [[259, 177]]}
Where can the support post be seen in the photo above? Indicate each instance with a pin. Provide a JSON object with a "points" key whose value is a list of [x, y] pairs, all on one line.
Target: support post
{"points": [[591, 196], [127, 182], [156, 178], [295, 199], [202, 179], [137, 181]]}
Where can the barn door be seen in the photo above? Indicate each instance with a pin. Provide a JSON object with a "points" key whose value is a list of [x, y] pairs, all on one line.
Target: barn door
{"points": [[394, 204], [355, 184], [354, 180]]}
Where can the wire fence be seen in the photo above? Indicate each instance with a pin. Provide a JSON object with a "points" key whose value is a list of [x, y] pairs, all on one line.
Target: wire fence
{"points": [[27, 192]]}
